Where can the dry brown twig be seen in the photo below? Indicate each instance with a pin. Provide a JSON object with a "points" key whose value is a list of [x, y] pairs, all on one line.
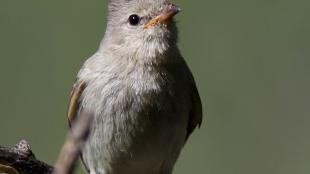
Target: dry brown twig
{"points": [[72, 147]]}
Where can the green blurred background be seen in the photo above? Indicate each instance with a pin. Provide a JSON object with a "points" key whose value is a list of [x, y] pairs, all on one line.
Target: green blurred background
{"points": [[250, 59]]}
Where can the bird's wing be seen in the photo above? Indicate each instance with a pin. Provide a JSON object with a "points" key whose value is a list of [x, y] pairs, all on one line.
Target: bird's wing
{"points": [[74, 102], [75, 108], [195, 117]]}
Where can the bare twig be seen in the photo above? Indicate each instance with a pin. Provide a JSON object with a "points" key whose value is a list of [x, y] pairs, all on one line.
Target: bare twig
{"points": [[72, 147]]}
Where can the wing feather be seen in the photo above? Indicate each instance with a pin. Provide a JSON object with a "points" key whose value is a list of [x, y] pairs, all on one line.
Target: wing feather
{"points": [[75, 109], [75, 99], [195, 117]]}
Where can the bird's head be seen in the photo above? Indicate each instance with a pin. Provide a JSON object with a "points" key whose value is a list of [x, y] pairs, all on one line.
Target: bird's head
{"points": [[142, 28]]}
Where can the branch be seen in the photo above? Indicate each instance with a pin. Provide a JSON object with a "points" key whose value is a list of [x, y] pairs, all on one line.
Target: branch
{"points": [[21, 160], [73, 145]]}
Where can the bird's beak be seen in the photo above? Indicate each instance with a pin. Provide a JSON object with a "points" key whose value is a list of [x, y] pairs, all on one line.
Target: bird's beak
{"points": [[165, 17]]}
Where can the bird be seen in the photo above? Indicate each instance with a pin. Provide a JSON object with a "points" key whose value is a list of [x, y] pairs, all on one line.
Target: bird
{"points": [[139, 91]]}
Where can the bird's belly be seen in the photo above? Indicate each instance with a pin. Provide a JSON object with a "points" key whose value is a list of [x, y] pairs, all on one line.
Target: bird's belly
{"points": [[131, 135]]}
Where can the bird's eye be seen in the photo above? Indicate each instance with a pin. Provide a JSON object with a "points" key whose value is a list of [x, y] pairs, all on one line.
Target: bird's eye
{"points": [[134, 19]]}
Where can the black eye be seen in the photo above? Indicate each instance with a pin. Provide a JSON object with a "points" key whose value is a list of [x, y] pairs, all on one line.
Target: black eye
{"points": [[134, 19]]}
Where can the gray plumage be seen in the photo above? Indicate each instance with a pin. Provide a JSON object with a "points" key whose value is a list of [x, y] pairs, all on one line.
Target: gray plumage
{"points": [[140, 92]]}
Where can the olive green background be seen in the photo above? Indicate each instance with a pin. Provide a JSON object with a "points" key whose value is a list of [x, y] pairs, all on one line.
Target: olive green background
{"points": [[250, 59]]}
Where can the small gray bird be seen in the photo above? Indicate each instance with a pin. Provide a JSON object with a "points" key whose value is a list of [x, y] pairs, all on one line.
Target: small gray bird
{"points": [[139, 90]]}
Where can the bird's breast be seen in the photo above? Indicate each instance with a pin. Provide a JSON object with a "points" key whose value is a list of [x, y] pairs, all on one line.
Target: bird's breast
{"points": [[142, 110], [139, 112]]}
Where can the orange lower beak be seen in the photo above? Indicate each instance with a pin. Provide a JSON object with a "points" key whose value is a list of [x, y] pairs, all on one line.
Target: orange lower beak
{"points": [[165, 17]]}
